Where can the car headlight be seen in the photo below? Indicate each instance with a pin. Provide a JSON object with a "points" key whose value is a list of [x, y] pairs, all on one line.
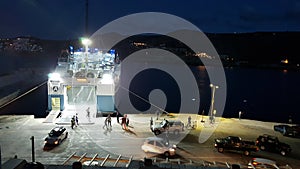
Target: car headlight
{"points": [[172, 149], [45, 142], [56, 142]]}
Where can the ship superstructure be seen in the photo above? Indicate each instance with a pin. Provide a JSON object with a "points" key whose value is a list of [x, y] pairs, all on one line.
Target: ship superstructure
{"points": [[83, 80]]}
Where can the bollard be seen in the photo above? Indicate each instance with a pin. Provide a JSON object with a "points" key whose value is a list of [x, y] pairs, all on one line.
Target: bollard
{"points": [[32, 148]]}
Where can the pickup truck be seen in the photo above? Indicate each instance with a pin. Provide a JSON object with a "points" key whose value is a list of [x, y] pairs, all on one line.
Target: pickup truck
{"points": [[272, 144], [235, 143]]}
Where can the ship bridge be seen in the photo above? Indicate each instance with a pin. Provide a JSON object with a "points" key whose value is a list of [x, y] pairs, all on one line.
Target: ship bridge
{"points": [[83, 80]]}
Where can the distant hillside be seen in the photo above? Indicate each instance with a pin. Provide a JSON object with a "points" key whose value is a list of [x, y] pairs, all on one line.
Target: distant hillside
{"points": [[248, 49], [15, 55], [259, 47], [241, 49]]}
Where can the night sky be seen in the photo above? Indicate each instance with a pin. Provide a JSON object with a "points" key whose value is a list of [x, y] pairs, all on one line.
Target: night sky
{"points": [[65, 19]]}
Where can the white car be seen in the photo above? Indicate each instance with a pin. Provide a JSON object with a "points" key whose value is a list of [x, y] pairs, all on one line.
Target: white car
{"points": [[258, 163], [159, 146]]}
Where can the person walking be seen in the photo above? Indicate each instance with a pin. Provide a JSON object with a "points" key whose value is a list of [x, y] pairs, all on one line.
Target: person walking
{"points": [[123, 122], [76, 119], [105, 123], [189, 122], [72, 122], [127, 121], [151, 122], [118, 115], [88, 113], [108, 119]]}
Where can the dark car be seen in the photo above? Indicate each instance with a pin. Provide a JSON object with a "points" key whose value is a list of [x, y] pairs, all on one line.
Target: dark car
{"points": [[272, 144], [288, 130], [56, 136]]}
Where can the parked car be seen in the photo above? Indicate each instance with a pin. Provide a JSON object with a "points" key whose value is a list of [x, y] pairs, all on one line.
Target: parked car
{"points": [[159, 146], [258, 163], [272, 144], [56, 136], [288, 130], [235, 143], [174, 126]]}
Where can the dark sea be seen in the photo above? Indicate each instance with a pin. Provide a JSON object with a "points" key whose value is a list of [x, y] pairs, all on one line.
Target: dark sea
{"points": [[261, 94]]}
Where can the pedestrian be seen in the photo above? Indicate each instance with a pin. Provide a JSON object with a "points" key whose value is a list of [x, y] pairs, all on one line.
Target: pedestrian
{"points": [[118, 115], [108, 119], [88, 113], [123, 122], [72, 122], [151, 122], [189, 121], [127, 121], [105, 123], [76, 119]]}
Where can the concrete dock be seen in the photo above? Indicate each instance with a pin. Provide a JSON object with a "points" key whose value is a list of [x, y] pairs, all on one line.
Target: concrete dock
{"points": [[92, 137]]}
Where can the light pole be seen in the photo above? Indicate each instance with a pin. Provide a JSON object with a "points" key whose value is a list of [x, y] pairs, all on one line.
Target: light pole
{"points": [[86, 42], [214, 87]]}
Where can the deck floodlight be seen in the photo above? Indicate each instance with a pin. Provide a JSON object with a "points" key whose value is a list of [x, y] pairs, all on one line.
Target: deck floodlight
{"points": [[54, 76]]}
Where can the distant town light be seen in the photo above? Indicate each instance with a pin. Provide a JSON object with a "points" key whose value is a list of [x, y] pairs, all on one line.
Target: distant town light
{"points": [[286, 61]]}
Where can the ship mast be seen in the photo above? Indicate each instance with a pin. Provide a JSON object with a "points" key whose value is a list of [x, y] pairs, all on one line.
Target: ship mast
{"points": [[86, 17]]}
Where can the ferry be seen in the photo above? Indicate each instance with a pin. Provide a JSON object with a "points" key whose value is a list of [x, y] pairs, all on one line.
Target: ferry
{"points": [[83, 80]]}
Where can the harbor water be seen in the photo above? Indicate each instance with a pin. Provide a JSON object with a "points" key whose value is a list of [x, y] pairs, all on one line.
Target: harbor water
{"points": [[260, 94]]}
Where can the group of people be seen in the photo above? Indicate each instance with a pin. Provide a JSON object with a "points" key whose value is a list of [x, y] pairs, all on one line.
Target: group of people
{"points": [[74, 121], [107, 122], [124, 121]]}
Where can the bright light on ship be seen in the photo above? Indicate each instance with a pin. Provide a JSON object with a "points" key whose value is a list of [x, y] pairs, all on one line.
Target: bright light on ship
{"points": [[86, 41], [54, 76], [107, 79]]}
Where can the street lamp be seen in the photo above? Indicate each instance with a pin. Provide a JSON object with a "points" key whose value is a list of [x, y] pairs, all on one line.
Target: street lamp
{"points": [[86, 42], [214, 87]]}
